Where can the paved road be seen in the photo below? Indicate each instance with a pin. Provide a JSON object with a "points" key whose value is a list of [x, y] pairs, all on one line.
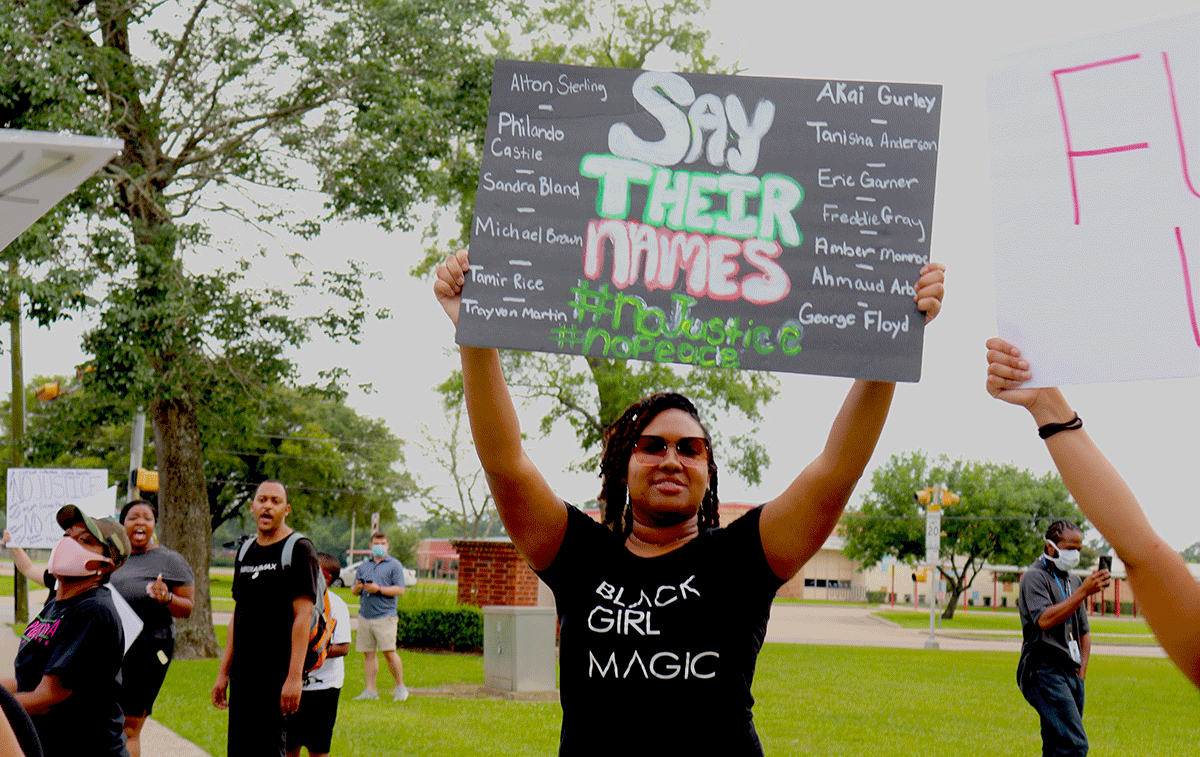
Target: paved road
{"points": [[848, 625], [854, 625]]}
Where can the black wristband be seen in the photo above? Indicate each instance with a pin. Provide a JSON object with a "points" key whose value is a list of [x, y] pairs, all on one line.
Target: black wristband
{"points": [[1050, 429]]}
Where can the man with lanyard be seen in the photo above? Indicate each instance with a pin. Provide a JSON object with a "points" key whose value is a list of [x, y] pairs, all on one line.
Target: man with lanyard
{"points": [[1057, 643]]}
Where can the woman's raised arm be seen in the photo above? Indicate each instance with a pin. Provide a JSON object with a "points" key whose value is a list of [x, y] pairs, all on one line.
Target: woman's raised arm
{"points": [[534, 516], [795, 524]]}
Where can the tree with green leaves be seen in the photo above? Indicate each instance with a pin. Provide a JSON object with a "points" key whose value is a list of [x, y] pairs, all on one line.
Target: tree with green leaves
{"points": [[1001, 516], [1191, 553], [336, 462], [217, 103]]}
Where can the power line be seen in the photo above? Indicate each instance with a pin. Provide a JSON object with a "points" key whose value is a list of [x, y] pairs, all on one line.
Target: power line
{"points": [[330, 439], [296, 487], [251, 453]]}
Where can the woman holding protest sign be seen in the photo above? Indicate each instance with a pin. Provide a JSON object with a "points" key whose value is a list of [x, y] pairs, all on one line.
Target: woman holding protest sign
{"points": [[1165, 589], [655, 625]]}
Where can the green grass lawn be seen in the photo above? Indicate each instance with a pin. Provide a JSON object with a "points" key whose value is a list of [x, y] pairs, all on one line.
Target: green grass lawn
{"points": [[431, 594], [985, 620], [811, 700]]}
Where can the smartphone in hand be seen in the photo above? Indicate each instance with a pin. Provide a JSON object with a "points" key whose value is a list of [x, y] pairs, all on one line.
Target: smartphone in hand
{"points": [[1106, 563]]}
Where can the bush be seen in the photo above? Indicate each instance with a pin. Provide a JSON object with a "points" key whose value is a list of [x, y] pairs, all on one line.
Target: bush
{"points": [[458, 629], [877, 597]]}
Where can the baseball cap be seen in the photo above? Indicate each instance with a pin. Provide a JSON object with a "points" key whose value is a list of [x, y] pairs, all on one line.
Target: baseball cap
{"points": [[107, 531]]}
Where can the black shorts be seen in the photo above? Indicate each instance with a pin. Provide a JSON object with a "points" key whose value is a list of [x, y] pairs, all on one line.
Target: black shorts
{"points": [[143, 672], [312, 725]]}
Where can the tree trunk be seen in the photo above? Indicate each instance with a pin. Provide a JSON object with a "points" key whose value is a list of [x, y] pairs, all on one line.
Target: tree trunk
{"points": [[185, 524], [956, 592]]}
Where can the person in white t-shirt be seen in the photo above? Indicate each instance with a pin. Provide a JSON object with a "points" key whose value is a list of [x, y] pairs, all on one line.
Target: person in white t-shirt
{"points": [[312, 725]]}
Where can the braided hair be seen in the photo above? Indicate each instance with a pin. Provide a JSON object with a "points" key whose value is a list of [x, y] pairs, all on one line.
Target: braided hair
{"points": [[1060, 527], [619, 439]]}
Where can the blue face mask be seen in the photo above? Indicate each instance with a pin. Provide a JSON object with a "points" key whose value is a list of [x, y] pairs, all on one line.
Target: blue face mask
{"points": [[378, 550]]}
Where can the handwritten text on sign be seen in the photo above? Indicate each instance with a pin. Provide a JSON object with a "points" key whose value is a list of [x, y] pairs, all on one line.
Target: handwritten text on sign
{"points": [[743, 222], [35, 496], [1095, 203], [38, 169]]}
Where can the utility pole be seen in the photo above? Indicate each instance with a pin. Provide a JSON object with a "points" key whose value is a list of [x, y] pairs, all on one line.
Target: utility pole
{"points": [[137, 442], [20, 586], [933, 497]]}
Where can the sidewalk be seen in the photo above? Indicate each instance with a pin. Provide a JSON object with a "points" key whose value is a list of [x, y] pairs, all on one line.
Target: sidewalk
{"points": [[854, 625]]}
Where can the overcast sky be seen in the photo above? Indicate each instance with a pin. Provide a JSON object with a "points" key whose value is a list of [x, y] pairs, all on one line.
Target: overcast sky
{"points": [[1146, 428]]}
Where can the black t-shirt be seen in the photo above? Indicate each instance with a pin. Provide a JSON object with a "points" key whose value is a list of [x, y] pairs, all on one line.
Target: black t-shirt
{"points": [[263, 590], [79, 640], [657, 654]]}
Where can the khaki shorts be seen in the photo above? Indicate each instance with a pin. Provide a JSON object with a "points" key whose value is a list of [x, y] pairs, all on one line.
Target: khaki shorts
{"points": [[376, 634]]}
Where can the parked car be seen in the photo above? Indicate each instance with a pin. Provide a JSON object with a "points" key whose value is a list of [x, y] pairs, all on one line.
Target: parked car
{"points": [[347, 575]]}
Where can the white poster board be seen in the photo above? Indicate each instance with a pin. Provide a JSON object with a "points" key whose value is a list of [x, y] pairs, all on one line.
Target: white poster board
{"points": [[1095, 152], [38, 169], [35, 495]]}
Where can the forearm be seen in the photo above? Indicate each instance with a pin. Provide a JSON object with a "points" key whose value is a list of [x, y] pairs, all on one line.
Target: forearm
{"points": [[1060, 613], [338, 650], [181, 603], [48, 693], [1097, 487], [301, 624], [856, 430], [794, 525], [1085, 654], [495, 426], [22, 563], [227, 655]]}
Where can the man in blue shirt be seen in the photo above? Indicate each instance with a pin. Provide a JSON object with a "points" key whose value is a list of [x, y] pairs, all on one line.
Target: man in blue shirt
{"points": [[378, 582]]}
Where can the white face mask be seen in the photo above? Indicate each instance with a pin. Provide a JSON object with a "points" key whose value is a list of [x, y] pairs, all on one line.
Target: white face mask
{"points": [[1067, 558]]}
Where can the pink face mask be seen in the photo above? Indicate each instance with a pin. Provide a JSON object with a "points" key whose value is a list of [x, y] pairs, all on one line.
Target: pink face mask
{"points": [[70, 558]]}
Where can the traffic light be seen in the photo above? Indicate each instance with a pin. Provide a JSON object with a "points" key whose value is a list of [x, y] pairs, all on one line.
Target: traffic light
{"points": [[146, 480], [47, 392], [926, 496]]}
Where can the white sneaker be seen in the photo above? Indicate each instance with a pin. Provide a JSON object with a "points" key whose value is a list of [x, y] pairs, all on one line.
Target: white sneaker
{"points": [[367, 694], [400, 693]]}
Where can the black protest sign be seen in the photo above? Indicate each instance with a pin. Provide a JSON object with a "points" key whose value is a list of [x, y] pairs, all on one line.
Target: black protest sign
{"points": [[736, 221]]}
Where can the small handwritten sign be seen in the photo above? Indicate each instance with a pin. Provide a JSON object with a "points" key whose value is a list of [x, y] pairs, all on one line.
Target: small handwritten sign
{"points": [[734, 221], [38, 169], [1096, 203], [35, 495]]}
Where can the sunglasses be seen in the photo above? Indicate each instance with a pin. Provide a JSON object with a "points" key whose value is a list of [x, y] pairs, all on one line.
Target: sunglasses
{"points": [[690, 450]]}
